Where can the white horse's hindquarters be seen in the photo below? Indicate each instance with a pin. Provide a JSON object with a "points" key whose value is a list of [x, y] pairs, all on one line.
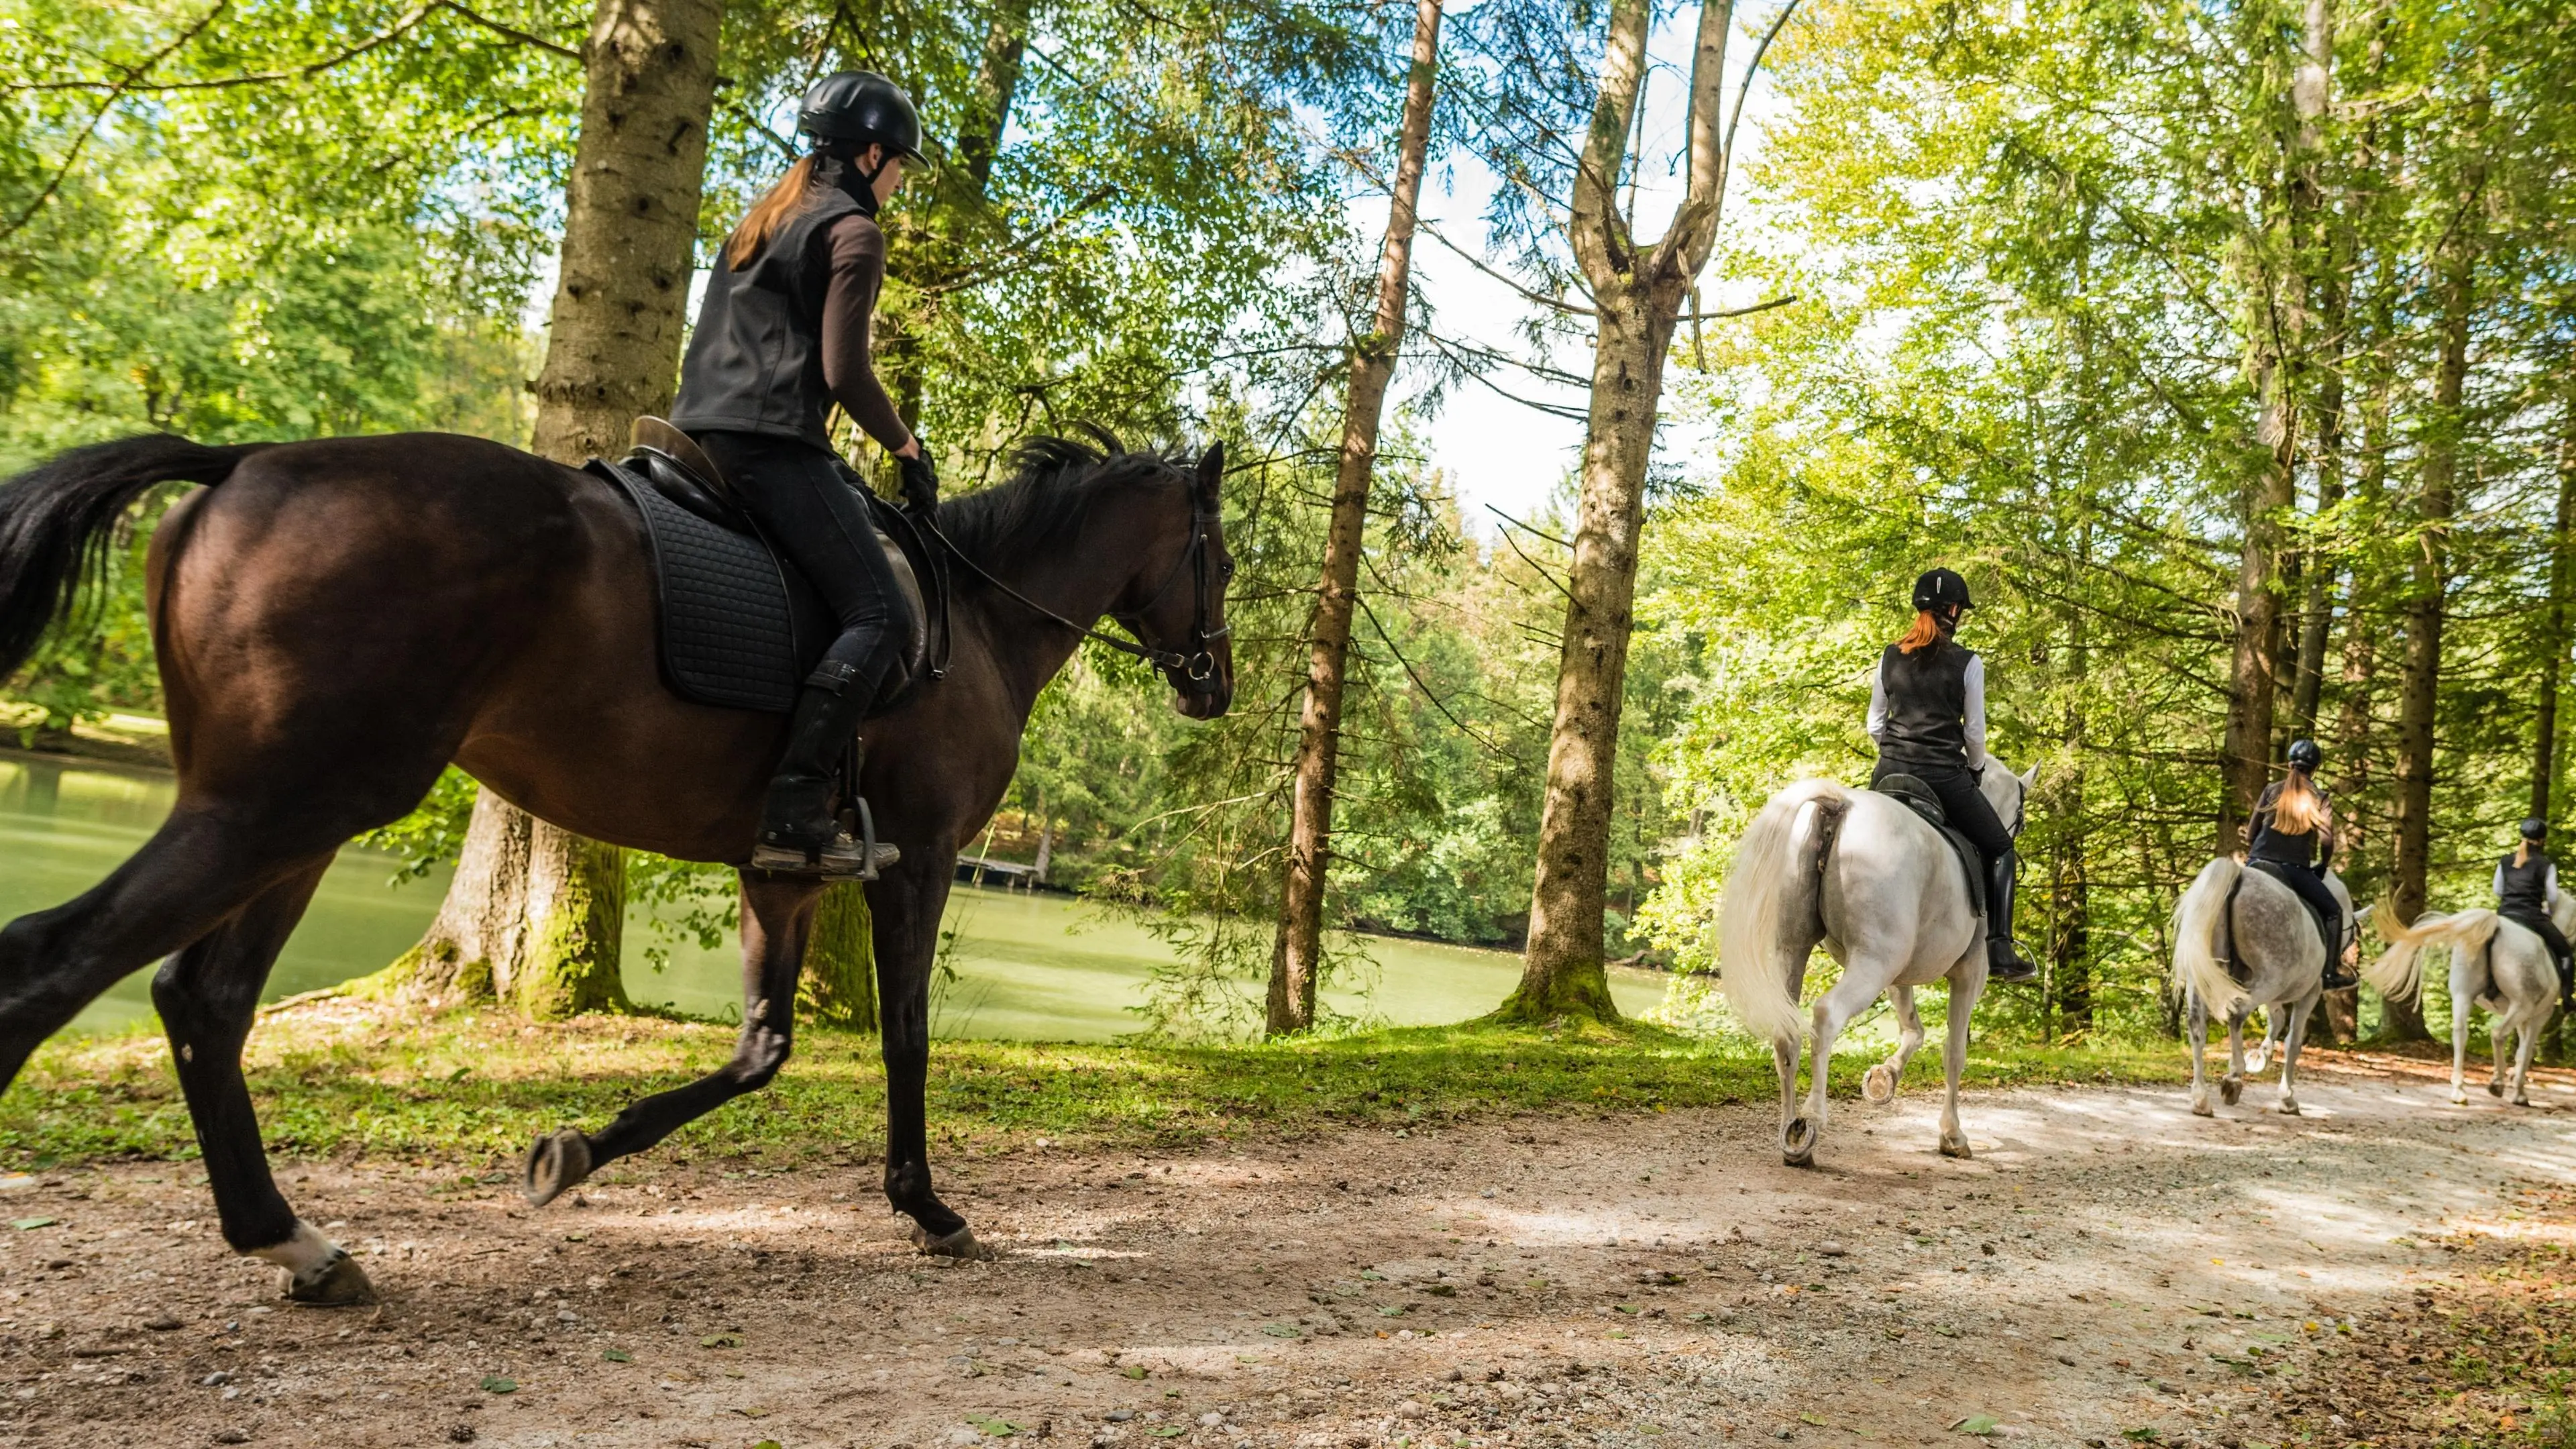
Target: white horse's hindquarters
{"points": [[1895, 899]]}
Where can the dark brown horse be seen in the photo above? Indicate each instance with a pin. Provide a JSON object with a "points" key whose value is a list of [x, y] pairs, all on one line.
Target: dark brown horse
{"points": [[338, 620]]}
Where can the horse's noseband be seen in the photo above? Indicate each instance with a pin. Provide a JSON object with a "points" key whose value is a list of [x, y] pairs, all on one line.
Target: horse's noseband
{"points": [[1198, 665]]}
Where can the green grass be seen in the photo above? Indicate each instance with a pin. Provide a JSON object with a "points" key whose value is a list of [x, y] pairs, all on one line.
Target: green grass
{"points": [[350, 1078]]}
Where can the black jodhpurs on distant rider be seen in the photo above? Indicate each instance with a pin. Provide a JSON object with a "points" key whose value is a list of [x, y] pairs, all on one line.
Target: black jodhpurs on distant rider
{"points": [[2309, 884], [805, 500]]}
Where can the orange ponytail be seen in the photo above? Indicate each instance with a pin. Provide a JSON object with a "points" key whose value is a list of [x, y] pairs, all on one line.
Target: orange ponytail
{"points": [[774, 207], [1926, 631]]}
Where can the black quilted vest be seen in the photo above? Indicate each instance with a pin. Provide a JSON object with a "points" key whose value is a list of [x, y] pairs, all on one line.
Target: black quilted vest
{"points": [[755, 363], [1927, 706], [2526, 886]]}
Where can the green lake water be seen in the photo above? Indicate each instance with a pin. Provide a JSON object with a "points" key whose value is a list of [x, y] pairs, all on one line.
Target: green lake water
{"points": [[1035, 967]]}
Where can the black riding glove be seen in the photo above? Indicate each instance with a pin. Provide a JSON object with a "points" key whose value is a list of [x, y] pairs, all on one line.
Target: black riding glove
{"points": [[920, 483]]}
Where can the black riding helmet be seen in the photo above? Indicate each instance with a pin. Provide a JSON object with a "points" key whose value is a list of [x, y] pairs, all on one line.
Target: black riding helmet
{"points": [[1941, 591], [2535, 830], [2304, 755], [850, 110]]}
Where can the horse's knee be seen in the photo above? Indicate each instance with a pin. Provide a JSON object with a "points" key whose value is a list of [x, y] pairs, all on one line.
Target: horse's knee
{"points": [[756, 1062]]}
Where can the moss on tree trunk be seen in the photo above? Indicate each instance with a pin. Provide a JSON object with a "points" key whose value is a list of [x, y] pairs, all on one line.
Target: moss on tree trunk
{"points": [[839, 987]]}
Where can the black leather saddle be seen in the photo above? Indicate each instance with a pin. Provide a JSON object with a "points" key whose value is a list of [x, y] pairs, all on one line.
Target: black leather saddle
{"points": [[740, 626], [1917, 796]]}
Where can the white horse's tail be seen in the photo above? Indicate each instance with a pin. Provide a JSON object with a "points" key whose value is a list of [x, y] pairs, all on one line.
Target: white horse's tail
{"points": [[1773, 886], [2399, 974], [2198, 919]]}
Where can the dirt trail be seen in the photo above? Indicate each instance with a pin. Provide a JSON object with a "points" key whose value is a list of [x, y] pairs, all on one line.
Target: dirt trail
{"points": [[2107, 1263]]}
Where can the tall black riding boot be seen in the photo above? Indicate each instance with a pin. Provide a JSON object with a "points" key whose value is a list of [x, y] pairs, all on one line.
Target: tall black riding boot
{"points": [[798, 831], [2004, 960], [2338, 976]]}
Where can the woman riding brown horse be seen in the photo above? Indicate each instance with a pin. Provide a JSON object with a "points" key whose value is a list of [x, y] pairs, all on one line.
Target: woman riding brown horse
{"points": [[337, 621]]}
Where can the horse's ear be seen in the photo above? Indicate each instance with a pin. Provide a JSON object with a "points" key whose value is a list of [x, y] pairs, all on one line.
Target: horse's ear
{"points": [[1211, 474], [2029, 778]]}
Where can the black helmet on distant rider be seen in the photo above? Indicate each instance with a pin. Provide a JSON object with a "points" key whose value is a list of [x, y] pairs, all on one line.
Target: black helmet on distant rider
{"points": [[1942, 591], [2535, 829], [2305, 756]]}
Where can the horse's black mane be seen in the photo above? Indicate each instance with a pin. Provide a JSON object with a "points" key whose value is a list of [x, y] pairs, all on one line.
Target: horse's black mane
{"points": [[1052, 487]]}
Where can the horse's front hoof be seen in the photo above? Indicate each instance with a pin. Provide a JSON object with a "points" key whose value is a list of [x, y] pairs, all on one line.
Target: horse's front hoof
{"points": [[2230, 1091], [555, 1165], [959, 1244], [2495, 1089], [2521, 1099], [2459, 1099], [2289, 1108], [2200, 1107], [1955, 1144], [1798, 1144], [343, 1284], [1879, 1086]]}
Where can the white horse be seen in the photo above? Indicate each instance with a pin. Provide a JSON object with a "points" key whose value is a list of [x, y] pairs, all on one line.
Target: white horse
{"points": [[2284, 959], [1885, 894], [2496, 964]]}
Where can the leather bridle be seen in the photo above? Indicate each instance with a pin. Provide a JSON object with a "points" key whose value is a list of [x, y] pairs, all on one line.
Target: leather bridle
{"points": [[1208, 580]]}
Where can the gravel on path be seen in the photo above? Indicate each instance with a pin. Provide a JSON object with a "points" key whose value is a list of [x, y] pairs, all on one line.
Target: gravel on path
{"points": [[2107, 1265]]}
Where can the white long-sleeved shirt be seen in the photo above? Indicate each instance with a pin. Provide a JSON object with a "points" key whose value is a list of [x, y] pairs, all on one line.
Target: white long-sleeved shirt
{"points": [[2549, 885], [1974, 679]]}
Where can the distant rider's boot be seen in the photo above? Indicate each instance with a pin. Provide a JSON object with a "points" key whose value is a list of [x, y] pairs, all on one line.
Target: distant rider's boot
{"points": [[2004, 960], [2340, 957], [798, 831]]}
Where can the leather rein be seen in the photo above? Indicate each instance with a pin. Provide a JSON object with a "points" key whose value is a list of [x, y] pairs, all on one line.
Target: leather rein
{"points": [[1198, 665]]}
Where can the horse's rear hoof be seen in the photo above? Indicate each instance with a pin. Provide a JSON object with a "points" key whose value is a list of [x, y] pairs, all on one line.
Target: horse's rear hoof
{"points": [[555, 1165], [2459, 1099], [1879, 1087], [1798, 1144], [2200, 1108], [2230, 1091], [959, 1244], [1955, 1146], [2495, 1089], [2289, 1108], [342, 1285]]}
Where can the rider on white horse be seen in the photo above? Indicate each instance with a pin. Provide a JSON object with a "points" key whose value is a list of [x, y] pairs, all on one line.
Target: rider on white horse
{"points": [[2526, 887], [2293, 835], [1927, 711]]}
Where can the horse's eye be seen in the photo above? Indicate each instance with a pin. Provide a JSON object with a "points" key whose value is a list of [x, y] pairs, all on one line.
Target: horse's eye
{"points": [[1226, 569]]}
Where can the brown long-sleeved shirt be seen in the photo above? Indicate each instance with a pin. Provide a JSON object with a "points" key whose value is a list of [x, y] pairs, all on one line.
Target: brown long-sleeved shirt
{"points": [[849, 303]]}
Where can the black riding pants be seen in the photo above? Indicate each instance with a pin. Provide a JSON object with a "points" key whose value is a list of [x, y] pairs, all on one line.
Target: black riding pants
{"points": [[2549, 934], [805, 500], [1961, 800], [2309, 884]]}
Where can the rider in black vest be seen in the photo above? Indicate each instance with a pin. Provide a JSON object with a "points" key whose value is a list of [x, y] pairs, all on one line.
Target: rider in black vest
{"points": [[2298, 850], [2526, 887], [1927, 710], [782, 337]]}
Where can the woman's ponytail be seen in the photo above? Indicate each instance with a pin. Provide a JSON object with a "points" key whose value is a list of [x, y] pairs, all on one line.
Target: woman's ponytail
{"points": [[773, 208], [1926, 631]]}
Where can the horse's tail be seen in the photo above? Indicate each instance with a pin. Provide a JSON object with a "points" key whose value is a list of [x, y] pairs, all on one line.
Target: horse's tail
{"points": [[2399, 974], [1772, 888], [57, 517], [2198, 919]]}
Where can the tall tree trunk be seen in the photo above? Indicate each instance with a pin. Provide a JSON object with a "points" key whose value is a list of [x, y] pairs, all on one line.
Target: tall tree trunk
{"points": [[543, 908], [1637, 290], [1296, 957], [839, 986], [2327, 244], [2070, 876], [2426, 600], [2554, 641]]}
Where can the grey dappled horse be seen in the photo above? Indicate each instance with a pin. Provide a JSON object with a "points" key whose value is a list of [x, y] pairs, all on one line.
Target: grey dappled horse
{"points": [[2496, 964], [1885, 894], [2285, 961]]}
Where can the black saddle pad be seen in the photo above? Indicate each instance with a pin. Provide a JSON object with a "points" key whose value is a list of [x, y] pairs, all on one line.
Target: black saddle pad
{"points": [[1918, 797], [740, 627]]}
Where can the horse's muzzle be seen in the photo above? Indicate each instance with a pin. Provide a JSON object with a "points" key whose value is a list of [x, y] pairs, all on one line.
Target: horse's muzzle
{"points": [[1203, 698]]}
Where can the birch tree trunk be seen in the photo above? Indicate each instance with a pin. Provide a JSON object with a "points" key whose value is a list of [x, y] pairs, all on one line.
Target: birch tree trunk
{"points": [[1296, 958], [1637, 291], [535, 912]]}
